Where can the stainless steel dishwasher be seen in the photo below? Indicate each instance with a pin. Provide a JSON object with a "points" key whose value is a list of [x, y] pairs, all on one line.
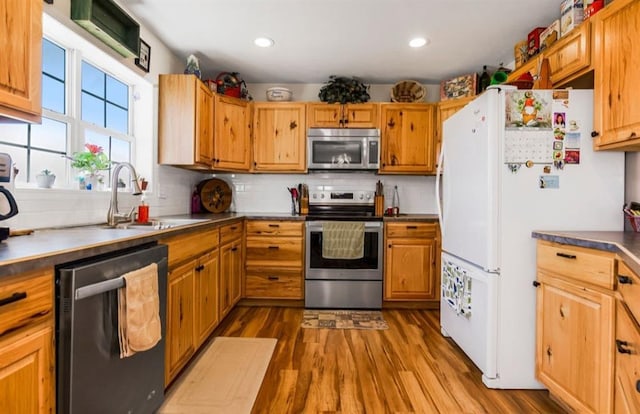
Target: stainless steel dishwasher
{"points": [[91, 377]]}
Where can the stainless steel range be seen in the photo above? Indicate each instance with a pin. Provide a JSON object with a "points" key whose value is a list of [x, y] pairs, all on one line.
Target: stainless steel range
{"points": [[343, 283]]}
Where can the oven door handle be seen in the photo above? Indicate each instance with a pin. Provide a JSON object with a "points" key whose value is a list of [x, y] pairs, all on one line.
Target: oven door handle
{"points": [[369, 226]]}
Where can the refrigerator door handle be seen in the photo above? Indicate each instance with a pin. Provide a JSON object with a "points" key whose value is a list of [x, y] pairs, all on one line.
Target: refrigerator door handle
{"points": [[438, 190]]}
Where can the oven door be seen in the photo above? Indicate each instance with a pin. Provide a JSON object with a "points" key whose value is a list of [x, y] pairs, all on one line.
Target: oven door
{"points": [[369, 267]]}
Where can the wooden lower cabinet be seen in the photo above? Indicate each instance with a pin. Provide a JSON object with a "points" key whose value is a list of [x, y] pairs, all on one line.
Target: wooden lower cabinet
{"points": [[411, 259], [180, 344], [575, 327], [27, 356], [231, 267], [627, 378], [207, 279], [274, 264]]}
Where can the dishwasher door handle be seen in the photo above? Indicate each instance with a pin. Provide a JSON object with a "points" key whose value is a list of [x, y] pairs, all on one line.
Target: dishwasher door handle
{"points": [[102, 287]]}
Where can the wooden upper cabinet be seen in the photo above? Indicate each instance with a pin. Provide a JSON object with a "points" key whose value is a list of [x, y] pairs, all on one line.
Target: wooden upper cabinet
{"points": [[570, 56], [185, 122], [444, 112], [407, 138], [326, 115], [617, 76], [279, 137], [231, 149], [21, 60], [532, 66]]}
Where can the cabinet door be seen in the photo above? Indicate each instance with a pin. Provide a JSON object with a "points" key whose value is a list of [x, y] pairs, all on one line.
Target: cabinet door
{"points": [[627, 380], [324, 115], [21, 45], [616, 71], [279, 135], [204, 124], [570, 55], [407, 138], [237, 271], [180, 319], [574, 347], [361, 115], [26, 369], [232, 134], [226, 277], [410, 269], [206, 296], [445, 110]]}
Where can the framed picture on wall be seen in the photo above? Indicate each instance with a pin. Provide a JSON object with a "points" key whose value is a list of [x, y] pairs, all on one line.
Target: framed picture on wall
{"points": [[145, 56]]}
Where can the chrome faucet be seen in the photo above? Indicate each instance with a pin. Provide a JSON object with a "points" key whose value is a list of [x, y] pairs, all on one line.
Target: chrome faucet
{"points": [[113, 216]]}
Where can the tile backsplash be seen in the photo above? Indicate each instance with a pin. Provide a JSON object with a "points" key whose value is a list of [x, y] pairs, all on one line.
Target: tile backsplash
{"points": [[268, 192]]}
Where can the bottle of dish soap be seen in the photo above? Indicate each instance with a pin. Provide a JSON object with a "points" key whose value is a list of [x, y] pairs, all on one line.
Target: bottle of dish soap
{"points": [[195, 202], [396, 202]]}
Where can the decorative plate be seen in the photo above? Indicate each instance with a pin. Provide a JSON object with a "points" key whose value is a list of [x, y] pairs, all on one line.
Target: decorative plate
{"points": [[215, 195]]}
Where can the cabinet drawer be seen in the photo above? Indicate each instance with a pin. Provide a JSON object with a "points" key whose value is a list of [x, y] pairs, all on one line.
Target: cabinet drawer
{"points": [[411, 229], [25, 298], [267, 283], [274, 251], [186, 246], [627, 377], [585, 265], [629, 288], [274, 228], [231, 232]]}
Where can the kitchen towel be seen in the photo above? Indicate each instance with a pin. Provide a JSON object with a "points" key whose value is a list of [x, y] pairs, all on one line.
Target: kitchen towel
{"points": [[342, 239], [456, 288], [139, 325]]}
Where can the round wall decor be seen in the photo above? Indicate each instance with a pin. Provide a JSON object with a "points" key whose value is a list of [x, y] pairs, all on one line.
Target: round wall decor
{"points": [[215, 195]]}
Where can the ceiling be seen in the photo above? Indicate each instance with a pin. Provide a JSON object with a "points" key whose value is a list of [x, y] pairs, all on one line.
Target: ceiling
{"points": [[363, 38]]}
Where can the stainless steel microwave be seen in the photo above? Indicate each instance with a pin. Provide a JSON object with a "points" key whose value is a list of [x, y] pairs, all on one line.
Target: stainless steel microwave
{"points": [[343, 149]]}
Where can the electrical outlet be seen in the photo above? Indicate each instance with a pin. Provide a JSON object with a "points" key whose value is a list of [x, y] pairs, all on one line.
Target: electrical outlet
{"points": [[239, 188]]}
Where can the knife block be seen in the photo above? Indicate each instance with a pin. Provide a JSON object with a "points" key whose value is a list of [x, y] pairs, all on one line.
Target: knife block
{"points": [[379, 205], [304, 205]]}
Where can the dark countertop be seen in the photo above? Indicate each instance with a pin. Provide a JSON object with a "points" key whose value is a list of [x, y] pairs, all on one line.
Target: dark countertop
{"points": [[624, 243], [51, 247]]}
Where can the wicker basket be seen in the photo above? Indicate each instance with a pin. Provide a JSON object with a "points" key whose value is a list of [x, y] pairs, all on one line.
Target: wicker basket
{"points": [[407, 91]]}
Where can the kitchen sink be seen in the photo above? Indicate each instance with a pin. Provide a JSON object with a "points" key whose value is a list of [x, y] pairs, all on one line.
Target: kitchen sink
{"points": [[158, 224]]}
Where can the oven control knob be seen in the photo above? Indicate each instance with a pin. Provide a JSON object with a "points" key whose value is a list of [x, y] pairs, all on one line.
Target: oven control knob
{"points": [[315, 196], [321, 195], [368, 196], [361, 196]]}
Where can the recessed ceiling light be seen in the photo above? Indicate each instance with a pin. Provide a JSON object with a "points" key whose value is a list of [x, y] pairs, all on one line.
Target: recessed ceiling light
{"points": [[263, 42], [418, 42]]}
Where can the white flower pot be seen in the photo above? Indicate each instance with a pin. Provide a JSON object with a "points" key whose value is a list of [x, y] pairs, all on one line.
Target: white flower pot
{"points": [[45, 181]]}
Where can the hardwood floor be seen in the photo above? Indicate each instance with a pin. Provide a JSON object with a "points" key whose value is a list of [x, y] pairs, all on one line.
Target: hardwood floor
{"points": [[409, 368]]}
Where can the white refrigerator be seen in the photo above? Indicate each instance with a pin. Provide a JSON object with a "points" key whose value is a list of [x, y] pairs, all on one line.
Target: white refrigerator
{"points": [[514, 161]]}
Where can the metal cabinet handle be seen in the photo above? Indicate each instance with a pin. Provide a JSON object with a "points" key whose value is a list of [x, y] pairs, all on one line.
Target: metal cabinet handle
{"points": [[200, 268], [536, 283], [621, 346], [594, 134], [638, 385], [412, 227], [274, 225], [566, 255], [273, 278], [274, 247], [13, 298], [625, 280], [234, 248]]}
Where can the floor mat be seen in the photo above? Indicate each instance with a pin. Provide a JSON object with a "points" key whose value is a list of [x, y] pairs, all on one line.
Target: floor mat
{"points": [[225, 378], [343, 319]]}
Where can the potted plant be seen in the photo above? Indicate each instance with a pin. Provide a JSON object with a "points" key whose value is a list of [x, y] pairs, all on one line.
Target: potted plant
{"points": [[340, 89], [90, 162], [45, 179]]}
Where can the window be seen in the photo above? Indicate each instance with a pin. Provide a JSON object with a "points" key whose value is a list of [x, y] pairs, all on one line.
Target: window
{"points": [[86, 99]]}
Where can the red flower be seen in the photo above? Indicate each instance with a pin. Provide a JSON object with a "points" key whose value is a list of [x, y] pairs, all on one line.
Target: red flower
{"points": [[93, 148]]}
